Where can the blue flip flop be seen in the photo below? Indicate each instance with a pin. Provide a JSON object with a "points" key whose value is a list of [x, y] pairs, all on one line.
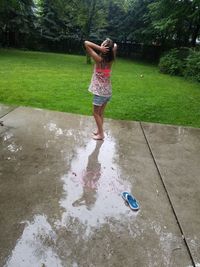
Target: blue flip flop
{"points": [[124, 195], [133, 204]]}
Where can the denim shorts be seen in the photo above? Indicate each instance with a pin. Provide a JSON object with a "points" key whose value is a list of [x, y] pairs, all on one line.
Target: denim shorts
{"points": [[100, 100]]}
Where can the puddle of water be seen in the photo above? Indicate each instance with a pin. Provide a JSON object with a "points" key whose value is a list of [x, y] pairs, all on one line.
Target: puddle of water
{"points": [[93, 186], [91, 196], [35, 247]]}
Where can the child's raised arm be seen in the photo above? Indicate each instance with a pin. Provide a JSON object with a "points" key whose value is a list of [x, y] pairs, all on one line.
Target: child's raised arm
{"points": [[91, 49]]}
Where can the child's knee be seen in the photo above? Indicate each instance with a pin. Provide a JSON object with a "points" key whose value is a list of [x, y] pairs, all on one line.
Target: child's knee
{"points": [[95, 113]]}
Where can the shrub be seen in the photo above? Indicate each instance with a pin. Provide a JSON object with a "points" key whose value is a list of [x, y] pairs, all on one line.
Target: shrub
{"points": [[192, 69], [174, 62]]}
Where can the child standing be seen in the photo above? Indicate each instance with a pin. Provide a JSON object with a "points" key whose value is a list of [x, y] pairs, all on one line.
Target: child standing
{"points": [[100, 85]]}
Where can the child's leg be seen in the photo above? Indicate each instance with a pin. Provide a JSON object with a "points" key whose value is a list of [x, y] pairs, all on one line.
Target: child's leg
{"points": [[99, 122], [102, 108], [101, 114]]}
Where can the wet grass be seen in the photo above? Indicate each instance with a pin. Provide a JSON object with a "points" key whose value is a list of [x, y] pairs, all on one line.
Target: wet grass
{"points": [[60, 82]]}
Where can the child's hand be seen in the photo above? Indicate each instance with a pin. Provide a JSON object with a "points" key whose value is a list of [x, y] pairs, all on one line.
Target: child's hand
{"points": [[104, 49]]}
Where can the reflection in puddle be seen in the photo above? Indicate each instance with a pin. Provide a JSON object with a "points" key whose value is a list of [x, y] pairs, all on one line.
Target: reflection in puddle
{"points": [[90, 178], [90, 213], [91, 196], [92, 187]]}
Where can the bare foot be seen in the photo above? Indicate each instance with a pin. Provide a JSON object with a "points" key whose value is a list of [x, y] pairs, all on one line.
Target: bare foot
{"points": [[95, 132], [98, 137]]}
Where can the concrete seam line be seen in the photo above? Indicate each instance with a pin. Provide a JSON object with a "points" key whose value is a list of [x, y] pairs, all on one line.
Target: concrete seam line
{"points": [[8, 112], [170, 202]]}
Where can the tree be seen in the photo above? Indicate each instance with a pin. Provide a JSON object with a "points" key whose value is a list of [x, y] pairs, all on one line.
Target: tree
{"points": [[135, 21], [50, 23], [16, 19], [175, 21], [116, 28], [91, 18]]}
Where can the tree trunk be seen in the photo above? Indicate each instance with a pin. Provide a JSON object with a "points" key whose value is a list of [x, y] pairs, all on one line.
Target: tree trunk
{"points": [[88, 59]]}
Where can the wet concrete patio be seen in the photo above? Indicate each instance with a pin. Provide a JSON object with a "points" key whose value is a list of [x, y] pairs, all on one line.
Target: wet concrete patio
{"points": [[60, 202]]}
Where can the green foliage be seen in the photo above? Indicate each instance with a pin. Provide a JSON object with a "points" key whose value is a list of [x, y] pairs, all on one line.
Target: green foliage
{"points": [[174, 62], [170, 64], [50, 28], [17, 15], [177, 22], [136, 21], [91, 17], [115, 28], [193, 66], [163, 23], [182, 62], [17, 19]]}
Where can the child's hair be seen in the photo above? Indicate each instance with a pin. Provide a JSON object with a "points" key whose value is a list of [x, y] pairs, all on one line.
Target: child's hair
{"points": [[109, 56]]}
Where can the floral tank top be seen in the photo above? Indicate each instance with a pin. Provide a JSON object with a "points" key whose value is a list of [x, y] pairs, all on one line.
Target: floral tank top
{"points": [[100, 82]]}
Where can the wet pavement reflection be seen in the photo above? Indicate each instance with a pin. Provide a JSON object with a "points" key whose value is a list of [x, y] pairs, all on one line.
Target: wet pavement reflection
{"points": [[61, 199], [93, 186], [90, 198]]}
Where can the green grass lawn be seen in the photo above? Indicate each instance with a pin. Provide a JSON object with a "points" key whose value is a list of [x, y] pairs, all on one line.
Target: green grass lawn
{"points": [[60, 82]]}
